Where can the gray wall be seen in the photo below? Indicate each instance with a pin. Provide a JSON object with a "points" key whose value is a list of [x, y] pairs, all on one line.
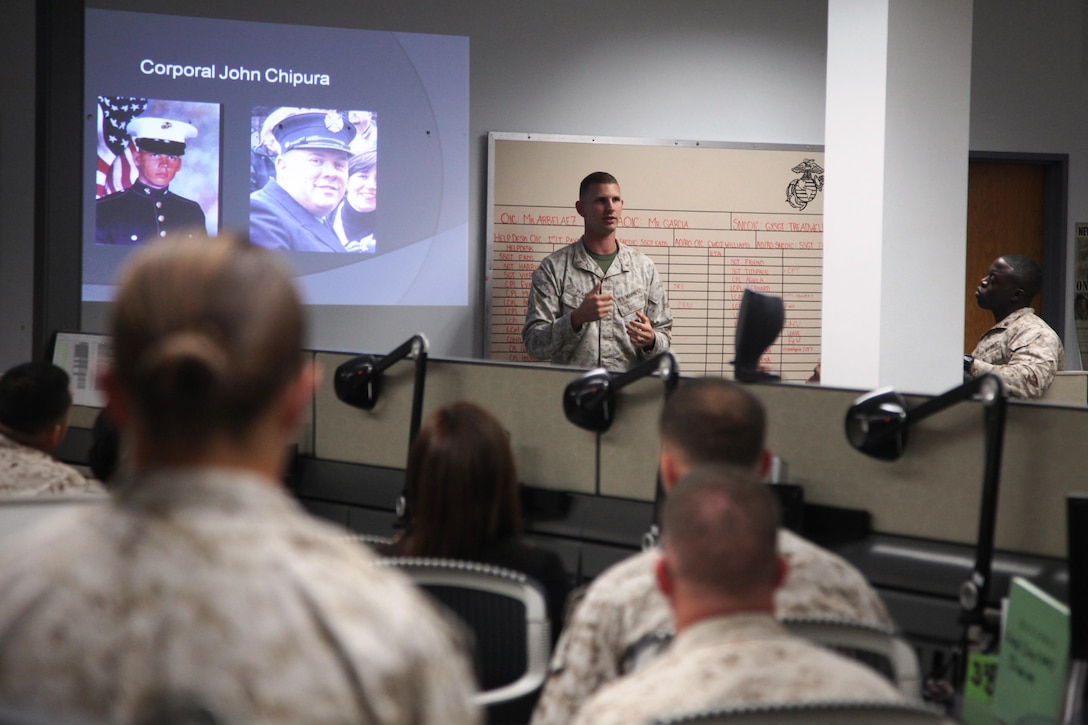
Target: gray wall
{"points": [[16, 183], [721, 70], [1029, 93]]}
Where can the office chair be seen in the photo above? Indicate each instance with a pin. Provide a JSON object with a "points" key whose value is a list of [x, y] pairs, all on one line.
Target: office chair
{"points": [[19, 715], [813, 713], [506, 615], [879, 648], [372, 540]]}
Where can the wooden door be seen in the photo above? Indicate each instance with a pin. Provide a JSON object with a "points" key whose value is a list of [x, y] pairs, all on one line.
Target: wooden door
{"points": [[1005, 215]]}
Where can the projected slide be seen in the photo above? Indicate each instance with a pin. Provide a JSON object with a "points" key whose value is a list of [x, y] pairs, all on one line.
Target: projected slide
{"points": [[253, 130]]}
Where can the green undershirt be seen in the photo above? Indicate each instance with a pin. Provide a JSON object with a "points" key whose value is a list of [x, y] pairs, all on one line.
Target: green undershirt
{"points": [[604, 261]]}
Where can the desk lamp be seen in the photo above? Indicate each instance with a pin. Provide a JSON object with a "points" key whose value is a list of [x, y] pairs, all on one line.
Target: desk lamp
{"points": [[877, 424], [759, 321], [357, 382], [589, 401]]}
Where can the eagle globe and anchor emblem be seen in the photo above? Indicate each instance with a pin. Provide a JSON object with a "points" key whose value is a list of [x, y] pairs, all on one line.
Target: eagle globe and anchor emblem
{"points": [[804, 189]]}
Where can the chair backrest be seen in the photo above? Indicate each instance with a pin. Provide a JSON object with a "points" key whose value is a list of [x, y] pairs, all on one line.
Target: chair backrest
{"points": [[506, 614], [17, 514], [881, 649], [814, 713], [18, 715], [371, 540], [878, 648]]}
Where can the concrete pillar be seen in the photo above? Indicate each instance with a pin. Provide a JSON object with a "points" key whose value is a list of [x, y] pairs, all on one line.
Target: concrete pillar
{"points": [[895, 204]]}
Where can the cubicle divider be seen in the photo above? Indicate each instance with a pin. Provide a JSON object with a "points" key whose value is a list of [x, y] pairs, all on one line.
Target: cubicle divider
{"points": [[376, 437], [590, 496], [628, 448], [551, 453], [356, 471], [933, 492], [925, 507]]}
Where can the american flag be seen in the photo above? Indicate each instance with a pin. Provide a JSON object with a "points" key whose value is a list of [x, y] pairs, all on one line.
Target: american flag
{"points": [[116, 170]]}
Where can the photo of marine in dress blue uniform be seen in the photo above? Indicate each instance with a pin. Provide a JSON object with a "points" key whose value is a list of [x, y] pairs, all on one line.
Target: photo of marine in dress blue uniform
{"points": [[148, 209]]}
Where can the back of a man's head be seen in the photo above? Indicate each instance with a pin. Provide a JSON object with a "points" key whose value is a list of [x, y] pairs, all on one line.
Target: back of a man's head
{"points": [[720, 534], [34, 397], [713, 420]]}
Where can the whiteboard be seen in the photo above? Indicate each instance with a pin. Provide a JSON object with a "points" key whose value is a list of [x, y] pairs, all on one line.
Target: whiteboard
{"points": [[715, 218]]}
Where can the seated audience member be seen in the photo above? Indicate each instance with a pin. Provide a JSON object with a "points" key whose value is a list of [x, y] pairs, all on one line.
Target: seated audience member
{"points": [[1020, 348], [35, 402], [719, 569], [623, 616], [201, 580], [104, 455], [463, 492]]}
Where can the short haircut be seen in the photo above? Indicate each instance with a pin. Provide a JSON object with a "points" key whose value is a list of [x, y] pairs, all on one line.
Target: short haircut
{"points": [[597, 177], [720, 530], [462, 485], [1027, 272], [34, 397], [714, 420]]}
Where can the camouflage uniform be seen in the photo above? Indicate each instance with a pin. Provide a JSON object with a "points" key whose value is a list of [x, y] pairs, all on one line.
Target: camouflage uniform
{"points": [[26, 471], [743, 659], [214, 587], [562, 281], [1023, 351], [624, 618]]}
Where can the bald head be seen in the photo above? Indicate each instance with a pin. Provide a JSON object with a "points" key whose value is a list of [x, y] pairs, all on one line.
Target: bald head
{"points": [[1011, 283], [720, 533], [1027, 273]]}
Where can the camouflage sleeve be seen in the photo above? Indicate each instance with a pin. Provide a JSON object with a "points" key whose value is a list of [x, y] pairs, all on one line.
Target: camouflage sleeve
{"points": [[28, 472], [657, 309], [1033, 363], [820, 583], [75, 482], [546, 327], [584, 660]]}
